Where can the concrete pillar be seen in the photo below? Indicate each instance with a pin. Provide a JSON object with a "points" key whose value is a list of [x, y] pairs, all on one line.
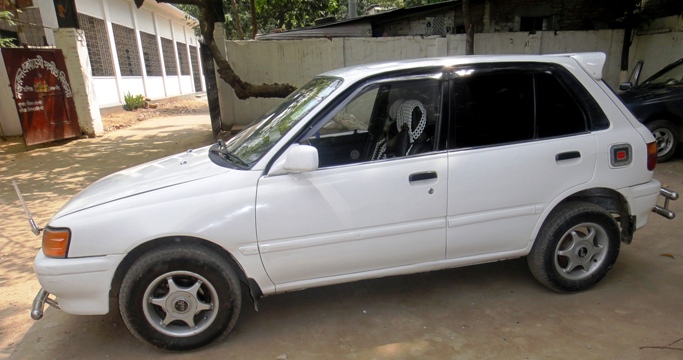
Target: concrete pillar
{"points": [[227, 99], [72, 43]]}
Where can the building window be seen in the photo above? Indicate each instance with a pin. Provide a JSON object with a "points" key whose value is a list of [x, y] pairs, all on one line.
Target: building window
{"points": [[532, 24], [127, 50], [97, 41], [182, 57], [194, 59], [150, 53], [170, 64]]}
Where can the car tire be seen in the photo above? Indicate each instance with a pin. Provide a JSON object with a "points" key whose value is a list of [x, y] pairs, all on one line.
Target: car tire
{"points": [[180, 297], [575, 248], [667, 138]]}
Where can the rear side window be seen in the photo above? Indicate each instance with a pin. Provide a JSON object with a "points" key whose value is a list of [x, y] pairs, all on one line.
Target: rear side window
{"points": [[495, 105]]}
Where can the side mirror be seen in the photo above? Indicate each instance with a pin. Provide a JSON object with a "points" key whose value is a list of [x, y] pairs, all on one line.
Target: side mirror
{"points": [[301, 158], [626, 86], [297, 159]]}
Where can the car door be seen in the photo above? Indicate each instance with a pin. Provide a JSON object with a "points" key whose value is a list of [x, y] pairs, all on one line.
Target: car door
{"points": [[519, 140], [359, 212]]}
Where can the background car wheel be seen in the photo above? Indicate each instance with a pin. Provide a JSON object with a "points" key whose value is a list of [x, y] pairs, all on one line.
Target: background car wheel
{"points": [[666, 135], [576, 247], [180, 297]]}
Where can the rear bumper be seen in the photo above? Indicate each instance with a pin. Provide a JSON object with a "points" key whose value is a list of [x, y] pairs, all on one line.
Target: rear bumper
{"points": [[81, 285], [641, 200]]}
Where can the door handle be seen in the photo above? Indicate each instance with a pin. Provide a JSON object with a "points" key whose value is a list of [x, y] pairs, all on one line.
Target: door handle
{"points": [[422, 176], [567, 155]]}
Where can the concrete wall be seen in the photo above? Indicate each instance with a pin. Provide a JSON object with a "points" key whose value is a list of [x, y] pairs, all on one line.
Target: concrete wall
{"points": [[297, 61], [659, 46]]}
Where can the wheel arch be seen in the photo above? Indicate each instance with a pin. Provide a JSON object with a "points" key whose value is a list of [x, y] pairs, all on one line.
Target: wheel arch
{"points": [[608, 199], [137, 252]]}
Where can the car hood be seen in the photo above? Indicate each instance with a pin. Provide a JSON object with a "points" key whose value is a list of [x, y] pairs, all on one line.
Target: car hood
{"points": [[176, 169], [651, 93]]}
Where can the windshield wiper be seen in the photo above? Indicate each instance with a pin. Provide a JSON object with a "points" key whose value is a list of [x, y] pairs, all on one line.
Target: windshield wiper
{"points": [[223, 151]]}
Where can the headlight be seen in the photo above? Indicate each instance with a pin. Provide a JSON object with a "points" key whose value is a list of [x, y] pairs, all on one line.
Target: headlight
{"points": [[56, 242]]}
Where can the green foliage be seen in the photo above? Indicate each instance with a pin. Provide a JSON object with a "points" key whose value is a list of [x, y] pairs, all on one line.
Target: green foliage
{"points": [[6, 17], [134, 102]]}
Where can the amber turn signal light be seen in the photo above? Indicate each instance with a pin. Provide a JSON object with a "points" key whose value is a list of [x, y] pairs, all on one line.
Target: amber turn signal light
{"points": [[651, 155], [56, 242]]}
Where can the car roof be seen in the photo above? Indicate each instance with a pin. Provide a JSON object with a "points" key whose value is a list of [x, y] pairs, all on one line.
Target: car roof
{"points": [[592, 63]]}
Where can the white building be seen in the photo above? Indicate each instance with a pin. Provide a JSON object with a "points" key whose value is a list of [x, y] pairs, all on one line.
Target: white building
{"points": [[151, 51]]}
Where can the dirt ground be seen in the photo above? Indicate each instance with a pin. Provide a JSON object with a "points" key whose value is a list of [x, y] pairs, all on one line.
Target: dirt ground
{"points": [[489, 311]]}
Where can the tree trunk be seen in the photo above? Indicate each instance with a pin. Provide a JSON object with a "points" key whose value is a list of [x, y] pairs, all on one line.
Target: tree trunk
{"points": [[236, 16], [469, 30], [254, 27]]}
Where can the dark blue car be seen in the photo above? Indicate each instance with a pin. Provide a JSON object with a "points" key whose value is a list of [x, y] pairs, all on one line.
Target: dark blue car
{"points": [[658, 103]]}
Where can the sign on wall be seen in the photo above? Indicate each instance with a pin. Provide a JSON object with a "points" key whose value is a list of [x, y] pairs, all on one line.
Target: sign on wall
{"points": [[42, 94]]}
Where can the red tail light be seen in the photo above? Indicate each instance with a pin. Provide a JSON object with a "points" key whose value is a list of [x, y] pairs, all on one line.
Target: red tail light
{"points": [[651, 155]]}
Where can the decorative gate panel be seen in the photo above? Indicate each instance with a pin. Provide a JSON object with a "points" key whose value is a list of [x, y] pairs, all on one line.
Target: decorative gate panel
{"points": [[42, 94]]}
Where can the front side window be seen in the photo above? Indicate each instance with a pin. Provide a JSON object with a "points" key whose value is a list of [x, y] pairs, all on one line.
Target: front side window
{"points": [[509, 104], [250, 144], [387, 119]]}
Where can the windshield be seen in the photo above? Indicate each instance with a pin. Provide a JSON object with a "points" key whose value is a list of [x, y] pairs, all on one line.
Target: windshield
{"points": [[252, 142], [672, 76]]}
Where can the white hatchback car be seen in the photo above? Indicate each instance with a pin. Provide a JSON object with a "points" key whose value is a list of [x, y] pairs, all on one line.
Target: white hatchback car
{"points": [[369, 171]]}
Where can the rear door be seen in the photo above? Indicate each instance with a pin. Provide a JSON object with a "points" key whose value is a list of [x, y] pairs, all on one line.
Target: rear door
{"points": [[519, 139]]}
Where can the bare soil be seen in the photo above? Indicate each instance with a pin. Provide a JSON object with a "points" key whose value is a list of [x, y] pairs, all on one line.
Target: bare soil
{"points": [[490, 311], [124, 119]]}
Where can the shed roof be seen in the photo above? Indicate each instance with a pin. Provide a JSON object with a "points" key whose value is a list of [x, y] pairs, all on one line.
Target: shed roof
{"points": [[357, 27]]}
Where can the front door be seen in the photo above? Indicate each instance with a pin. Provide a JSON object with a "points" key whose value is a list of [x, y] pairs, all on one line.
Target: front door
{"points": [[369, 206]]}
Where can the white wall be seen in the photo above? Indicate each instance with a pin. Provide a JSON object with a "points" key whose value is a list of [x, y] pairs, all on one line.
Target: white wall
{"points": [[296, 61]]}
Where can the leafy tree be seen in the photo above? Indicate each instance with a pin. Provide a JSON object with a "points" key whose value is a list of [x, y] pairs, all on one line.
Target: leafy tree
{"points": [[7, 17]]}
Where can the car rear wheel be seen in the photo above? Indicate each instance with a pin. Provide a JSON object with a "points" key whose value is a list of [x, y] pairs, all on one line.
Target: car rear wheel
{"points": [[666, 136], [180, 298], [576, 247]]}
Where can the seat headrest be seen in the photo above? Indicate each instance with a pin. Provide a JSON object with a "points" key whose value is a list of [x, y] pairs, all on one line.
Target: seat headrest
{"points": [[413, 115]]}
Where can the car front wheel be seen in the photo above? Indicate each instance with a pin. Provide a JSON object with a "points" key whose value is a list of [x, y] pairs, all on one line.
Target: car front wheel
{"points": [[666, 136], [576, 247], [180, 298]]}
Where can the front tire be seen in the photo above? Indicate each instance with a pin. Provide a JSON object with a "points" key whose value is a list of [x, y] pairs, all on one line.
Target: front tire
{"points": [[576, 247], [180, 297], [666, 136]]}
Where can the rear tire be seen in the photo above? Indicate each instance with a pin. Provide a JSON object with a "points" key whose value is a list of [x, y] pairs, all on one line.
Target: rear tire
{"points": [[667, 138], [180, 297], [576, 247]]}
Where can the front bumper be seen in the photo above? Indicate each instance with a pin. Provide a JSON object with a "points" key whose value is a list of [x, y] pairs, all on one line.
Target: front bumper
{"points": [[81, 285]]}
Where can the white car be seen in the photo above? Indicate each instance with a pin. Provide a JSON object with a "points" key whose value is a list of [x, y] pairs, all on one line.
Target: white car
{"points": [[364, 172]]}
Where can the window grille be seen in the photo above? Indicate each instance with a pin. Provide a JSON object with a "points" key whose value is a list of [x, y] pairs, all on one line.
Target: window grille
{"points": [[150, 53], [182, 57], [170, 63], [127, 50], [97, 41]]}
